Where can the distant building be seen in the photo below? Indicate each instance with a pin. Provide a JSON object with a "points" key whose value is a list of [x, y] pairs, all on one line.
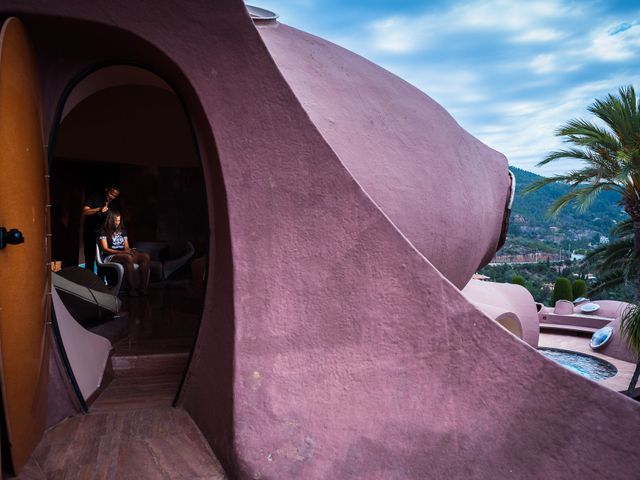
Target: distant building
{"points": [[604, 240], [478, 276], [577, 257], [518, 218]]}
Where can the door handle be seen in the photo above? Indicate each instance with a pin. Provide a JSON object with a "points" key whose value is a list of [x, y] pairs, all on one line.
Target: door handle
{"points": [[10, 237]]}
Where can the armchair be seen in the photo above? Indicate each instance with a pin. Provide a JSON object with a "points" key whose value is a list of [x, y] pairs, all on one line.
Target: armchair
{"points": [[118, 268]]}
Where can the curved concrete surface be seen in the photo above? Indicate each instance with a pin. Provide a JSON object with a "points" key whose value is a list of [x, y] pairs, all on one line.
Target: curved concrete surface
{"points": [[498, 300], [608, 308], [405, 150], [87, 352], [507, 319], [609, 314], [330, 346], [617, 347]]}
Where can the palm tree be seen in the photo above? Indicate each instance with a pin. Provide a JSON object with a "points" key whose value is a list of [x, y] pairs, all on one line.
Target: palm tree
{"points": [[630, 328], [610, 155], [616, 263]]}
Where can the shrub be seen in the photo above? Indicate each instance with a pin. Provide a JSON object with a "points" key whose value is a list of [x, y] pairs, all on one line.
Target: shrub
{"points": [[562, 290], [579, 288], [518, 280]]}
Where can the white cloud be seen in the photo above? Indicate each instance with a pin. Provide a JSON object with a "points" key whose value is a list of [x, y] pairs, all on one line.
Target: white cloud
{"points": [[521, 22], [507, 15], [400, 34], [525, 130], [509, 72], [612, 48], [538, 35], [549, 63], [597, 45], [459, 87], [543, 63], [557, 26]]}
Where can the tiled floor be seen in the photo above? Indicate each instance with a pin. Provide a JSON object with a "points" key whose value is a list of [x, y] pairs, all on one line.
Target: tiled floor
{"points": [[132, 431]]}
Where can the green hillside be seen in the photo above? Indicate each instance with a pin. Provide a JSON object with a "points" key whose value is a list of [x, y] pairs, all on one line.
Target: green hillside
{"points": [[532, 231], [530, 212]]}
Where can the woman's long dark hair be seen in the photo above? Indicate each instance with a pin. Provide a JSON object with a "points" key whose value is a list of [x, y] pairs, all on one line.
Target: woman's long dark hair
{"points": [[110, 223]]}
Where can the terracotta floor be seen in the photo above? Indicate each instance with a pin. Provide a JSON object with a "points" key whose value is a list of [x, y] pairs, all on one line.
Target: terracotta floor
{"points": [[132, 431]]}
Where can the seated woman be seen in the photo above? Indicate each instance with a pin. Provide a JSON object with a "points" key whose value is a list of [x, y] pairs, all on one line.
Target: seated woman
{"points": [[114, 242]]}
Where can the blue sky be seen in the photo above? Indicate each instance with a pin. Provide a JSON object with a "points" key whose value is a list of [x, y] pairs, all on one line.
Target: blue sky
{"points": [[509, 72]]}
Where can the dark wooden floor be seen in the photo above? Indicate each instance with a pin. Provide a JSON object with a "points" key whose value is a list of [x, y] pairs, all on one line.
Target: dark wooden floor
{"points": [[149, 443], [132, 431]]}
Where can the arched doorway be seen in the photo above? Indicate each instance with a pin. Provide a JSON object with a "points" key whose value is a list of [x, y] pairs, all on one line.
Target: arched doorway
{"points": [[123, 125]]}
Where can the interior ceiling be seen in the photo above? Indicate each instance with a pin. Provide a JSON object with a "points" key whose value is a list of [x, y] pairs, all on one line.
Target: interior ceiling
{"points": [[111, 76], [132, 124]]}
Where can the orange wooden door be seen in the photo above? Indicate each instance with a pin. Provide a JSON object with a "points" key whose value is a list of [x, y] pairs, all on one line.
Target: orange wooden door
{"points": [[24, 274]]}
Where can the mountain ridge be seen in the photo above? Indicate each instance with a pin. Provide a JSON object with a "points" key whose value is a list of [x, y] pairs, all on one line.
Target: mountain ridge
{"points": [[530, 212]]}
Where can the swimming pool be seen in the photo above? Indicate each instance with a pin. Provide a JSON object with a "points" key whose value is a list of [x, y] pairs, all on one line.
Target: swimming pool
{"points": [[580, 363]]}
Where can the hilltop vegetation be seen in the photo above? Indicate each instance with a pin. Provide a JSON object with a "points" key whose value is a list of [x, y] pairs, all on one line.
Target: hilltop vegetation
{"points": [[532, 230]]}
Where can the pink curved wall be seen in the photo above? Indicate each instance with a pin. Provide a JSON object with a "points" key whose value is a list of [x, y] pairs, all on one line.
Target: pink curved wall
{"points": [[608, 308], [330, 347], [506, 297], [617, 347], [408, 154], [608, 314]]}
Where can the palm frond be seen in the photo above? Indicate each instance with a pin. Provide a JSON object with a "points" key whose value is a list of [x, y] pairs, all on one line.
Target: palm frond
{"points": [[630, 327], [538, 184], [597, 166], [608, 257], [568, 154], [620, 113], [623, 229], [582, 196], [609, 153], [616, 263], [614, 280], [588, 134]]}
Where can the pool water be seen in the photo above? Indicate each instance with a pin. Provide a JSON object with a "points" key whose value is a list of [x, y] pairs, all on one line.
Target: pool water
{"points": [[585, 365]]}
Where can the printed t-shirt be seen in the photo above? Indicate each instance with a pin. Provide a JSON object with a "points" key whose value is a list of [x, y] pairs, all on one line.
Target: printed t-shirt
{"points": [[116, 240]]}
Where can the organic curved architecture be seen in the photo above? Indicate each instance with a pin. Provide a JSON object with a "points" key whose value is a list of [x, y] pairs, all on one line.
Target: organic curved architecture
{"points": [[346, 210], [512, 306], [406, 152]]}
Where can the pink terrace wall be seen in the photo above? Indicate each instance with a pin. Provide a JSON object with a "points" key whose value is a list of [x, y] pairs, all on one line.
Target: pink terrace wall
{"points": [[334, 349]]}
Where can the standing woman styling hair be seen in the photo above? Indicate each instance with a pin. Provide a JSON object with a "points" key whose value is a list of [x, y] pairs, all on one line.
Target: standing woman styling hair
{"points": [[114, 242]]}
